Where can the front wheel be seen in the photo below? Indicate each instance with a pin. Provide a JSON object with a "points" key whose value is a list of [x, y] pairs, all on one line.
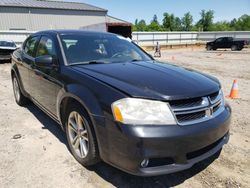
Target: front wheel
{"points": [[80, 136], [21, 100], [240, 48], [209, 47]]}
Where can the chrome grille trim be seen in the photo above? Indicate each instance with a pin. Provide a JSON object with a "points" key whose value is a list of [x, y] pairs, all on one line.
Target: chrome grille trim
{"points": [[209, 108], [217, 98], [204, 103]]}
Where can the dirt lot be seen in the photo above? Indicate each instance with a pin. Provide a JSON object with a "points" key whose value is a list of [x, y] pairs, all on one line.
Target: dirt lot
{"points": [[40, 158]]}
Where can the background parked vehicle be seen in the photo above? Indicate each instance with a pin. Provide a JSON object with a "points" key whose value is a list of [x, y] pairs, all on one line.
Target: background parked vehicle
{"points": [[226, 42], [7, 47]]}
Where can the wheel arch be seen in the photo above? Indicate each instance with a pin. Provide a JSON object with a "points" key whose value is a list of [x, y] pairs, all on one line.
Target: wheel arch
{"points": [[81, 95]]}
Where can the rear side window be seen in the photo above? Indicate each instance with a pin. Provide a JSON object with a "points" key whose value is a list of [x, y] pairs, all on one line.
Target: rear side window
{"points": [[219, 40], [30, 46], [46, 47]]}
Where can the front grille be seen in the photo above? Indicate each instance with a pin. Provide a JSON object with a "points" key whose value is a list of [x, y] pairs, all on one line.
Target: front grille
{"points": [[213, 96], [189, 117], [190, 111], [6, 52], [186, 103]]}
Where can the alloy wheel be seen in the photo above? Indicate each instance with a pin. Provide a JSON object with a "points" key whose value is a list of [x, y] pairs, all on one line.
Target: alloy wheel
{"points": [[78, 134]]}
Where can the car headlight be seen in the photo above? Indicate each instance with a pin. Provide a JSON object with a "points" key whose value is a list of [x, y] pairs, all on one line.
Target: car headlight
{"points": [[142, 112]]}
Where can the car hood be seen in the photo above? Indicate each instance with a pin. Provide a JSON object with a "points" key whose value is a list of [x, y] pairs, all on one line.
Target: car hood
{"points": [[152, 80]]}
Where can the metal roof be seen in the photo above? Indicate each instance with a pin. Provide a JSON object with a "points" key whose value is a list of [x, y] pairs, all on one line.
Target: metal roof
{"points": [[50, 5], [111, 19]]}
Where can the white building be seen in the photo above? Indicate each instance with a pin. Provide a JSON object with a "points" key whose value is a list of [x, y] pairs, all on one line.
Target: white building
{"points": [[35, 15]]}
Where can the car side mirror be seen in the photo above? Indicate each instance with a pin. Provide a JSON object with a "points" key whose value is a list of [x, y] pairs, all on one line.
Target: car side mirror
{"points": [[46, 61]]}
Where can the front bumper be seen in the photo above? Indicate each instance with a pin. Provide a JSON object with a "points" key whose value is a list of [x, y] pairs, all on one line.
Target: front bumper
{"points": [[169, 148], [5, 57], [167, 169]]}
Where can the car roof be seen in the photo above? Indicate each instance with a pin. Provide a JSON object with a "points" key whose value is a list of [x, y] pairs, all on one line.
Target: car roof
{"points": [[64, 32]]}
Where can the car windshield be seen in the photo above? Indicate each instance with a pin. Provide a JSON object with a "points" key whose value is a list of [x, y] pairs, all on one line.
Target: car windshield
{"points": [[7, 44], [100, 48]]}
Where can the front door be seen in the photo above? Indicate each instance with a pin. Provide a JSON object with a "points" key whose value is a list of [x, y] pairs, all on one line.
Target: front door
{"points": [[44, 79]]}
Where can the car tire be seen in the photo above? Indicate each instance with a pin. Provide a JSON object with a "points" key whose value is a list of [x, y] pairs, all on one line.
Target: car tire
{"points": [[209, 47], [240, 48], [81, 136], [234, 48], [20, 99]]}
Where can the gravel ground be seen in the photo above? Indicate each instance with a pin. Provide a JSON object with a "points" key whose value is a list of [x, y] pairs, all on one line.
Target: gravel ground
{"points": [[33, 151]]}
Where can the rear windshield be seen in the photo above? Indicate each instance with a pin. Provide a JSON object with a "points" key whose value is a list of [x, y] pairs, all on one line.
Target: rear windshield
{"points": [[7, 44], [85, 48]]}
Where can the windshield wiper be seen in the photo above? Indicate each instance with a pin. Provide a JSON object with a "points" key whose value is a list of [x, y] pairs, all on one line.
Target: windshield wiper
{"points": [[95, 62], [134, 60], [88, 63]]}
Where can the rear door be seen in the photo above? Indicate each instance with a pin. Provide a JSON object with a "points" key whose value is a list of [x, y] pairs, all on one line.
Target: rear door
{"points": [[44, 79], [229, 42], [26, 62], [219, 43]]}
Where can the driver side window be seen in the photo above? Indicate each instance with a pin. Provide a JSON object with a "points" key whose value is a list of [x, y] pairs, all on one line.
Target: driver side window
{"points": [[46, 47]]}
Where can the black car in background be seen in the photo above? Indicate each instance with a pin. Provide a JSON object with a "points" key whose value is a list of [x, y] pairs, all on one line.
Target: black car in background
{"points": [[116, 103], [7, 47], [226, 42]]}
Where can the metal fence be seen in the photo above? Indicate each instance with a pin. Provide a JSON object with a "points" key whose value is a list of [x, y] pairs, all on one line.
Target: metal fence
{"points": [[149, 38], [165, 38]]}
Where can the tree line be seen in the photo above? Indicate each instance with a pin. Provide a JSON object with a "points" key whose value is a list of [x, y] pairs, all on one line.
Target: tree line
{"points": [[206, 23]]}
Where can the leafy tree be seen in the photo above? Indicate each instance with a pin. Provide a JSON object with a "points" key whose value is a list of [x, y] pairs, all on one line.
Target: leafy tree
{"points": [[154, 25], [134, 26], [233, 24], [187, 22], [177, 24], [168, 21], [206, 21], [140, 25], [155, 19], [221, 26], [243, 23], [172, 23]]}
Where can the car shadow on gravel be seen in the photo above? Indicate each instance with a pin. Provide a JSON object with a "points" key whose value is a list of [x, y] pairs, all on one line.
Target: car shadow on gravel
{"points": [[5, 61], [117, 177], [48, 123], [227, 51]]}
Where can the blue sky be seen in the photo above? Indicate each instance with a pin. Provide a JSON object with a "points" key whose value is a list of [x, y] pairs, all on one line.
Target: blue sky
{"points": [[142, 9]]}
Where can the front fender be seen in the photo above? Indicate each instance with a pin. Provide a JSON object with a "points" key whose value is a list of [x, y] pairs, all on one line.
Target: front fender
{"points": [[83, 96]]}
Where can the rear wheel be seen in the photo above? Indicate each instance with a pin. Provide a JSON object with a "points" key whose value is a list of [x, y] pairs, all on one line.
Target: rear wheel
{"points": [[21, 100], [234, 48], [80, 136]]}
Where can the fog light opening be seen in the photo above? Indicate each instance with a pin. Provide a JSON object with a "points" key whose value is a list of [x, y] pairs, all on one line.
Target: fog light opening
{"points": [[144, 163]]}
